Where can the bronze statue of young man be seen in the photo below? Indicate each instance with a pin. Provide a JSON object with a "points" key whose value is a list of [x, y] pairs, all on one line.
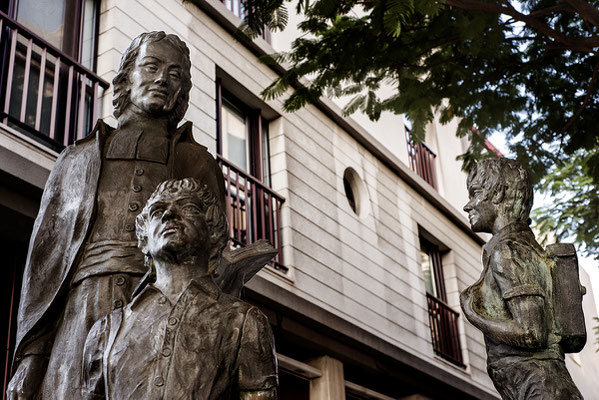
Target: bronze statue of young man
{"points": [[83, 259], [512, 302], [181, 337]]}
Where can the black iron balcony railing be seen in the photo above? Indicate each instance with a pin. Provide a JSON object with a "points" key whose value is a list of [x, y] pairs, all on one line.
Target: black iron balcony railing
{"points": [[253, 210], [43, 91], [444, 330], [421, 159]]}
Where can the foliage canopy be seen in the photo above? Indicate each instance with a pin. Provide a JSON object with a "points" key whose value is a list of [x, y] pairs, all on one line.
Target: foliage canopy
{"points": [[526, 68]]}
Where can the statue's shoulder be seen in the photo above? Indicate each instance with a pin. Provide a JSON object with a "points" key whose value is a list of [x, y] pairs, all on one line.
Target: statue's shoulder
{"points": [[100, 132], [184, 137]]}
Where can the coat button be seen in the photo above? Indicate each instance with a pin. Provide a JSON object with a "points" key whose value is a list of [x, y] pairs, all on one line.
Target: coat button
{"points": [[120, 281], [118, 303], [162, 300], [129, 227], [159, 381], [133, 207], [166, 352], [172, 321], [139, 171], [137, 188]]}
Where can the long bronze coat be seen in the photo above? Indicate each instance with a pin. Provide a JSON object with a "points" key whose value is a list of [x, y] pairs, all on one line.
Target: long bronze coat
{"points": [[65, 219]]}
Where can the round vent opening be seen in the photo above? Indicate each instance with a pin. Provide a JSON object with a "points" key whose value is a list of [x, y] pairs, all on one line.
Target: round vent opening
{"points": [[355, 191]]}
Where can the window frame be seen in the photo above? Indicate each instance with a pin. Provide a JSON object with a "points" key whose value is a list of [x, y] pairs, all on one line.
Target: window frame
{"points": [[257, 129]]}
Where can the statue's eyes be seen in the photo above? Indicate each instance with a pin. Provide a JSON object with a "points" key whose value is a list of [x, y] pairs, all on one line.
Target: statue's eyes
{"points": [[151, 68], [175, 74], [191, 209], [156, 212]]}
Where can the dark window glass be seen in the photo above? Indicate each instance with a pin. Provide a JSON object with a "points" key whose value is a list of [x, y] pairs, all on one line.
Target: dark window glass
{"points": [[54, 20], [292, 387]]}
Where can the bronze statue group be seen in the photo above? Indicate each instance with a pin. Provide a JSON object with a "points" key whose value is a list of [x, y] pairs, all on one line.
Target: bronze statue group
{"points": [[118, 299]]}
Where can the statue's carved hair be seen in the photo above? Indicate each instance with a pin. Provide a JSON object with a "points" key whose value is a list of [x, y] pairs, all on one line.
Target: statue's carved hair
{"points": [[214, 214], [508, 178], [120, 83]]}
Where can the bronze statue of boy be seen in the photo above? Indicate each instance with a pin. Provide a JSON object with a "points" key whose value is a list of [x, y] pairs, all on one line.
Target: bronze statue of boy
{"points": [[512, 301], [181, 337]]}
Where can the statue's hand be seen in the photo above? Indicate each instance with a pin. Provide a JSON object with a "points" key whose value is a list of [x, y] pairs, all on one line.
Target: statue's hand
{"points": [[25, 382], [466, 303]]}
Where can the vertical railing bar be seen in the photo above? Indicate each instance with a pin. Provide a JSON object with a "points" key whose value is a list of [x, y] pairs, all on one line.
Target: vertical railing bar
{"points": [[94, 104], [82, 87], [67, 122], [263, 211], [229, 202], [428, 166], [279, 244], [40, 91], [255, 215], [250, 216], [238, 208], [269, 214], [11, 66], [26, 81], [54, 99]]}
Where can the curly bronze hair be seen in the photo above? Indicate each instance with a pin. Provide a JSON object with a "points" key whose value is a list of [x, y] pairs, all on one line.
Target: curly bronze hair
{"points": [[509, 177], [216, 219], [120, 83]]}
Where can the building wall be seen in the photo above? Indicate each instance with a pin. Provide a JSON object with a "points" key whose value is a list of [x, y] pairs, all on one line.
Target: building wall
{"points": [[364, 269], [584, 366]]}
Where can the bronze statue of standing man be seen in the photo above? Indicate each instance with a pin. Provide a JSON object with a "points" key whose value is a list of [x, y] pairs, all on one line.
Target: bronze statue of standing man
{"points": [[83, 259], [512, 303]]}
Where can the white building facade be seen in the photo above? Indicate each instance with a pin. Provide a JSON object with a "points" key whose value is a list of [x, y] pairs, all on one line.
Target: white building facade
{"points": [[364, 295]]}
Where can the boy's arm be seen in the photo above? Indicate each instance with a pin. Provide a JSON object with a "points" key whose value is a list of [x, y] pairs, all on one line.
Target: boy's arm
{"points": [[257, 359], [526, 326]]}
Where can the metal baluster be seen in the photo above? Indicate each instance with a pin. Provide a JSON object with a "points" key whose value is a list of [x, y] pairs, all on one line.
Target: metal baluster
{"points": [[40, 91], [26, 81], [11, 67], [67, 124], [54, 99]]}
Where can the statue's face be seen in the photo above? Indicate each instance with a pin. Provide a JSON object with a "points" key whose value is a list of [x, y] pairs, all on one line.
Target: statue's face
{"points": [[156, 78], [176, 226], [482, 212]]}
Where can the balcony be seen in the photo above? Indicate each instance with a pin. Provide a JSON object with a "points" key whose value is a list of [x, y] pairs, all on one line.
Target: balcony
{"points": [[44, 93], [253, 210], [444, 330], [421, 159]]}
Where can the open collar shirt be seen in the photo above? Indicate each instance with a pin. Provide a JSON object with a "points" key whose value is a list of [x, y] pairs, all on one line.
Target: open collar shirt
{"points": [[208, 345]]}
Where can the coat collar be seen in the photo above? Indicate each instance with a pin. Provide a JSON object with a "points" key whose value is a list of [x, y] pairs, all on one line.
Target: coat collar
{"points": [[102, 130]]}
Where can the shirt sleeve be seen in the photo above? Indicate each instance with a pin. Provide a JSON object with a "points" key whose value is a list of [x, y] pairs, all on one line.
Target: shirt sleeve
{"points": [[519, 271], [257, 360], [93, 361]]}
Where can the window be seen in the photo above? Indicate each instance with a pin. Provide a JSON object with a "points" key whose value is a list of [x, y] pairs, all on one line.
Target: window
{"points": [[236, 7], [48, 88], [253, 209], [442, 318]]}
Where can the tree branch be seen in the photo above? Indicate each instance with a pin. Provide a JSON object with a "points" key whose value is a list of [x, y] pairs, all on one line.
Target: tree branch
{"points": [[584, 103], [582, 44], [586, 11], [550, 10]]}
